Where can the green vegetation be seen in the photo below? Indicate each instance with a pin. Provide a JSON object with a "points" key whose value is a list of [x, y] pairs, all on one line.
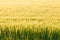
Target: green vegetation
{"points": [[29, 33]]}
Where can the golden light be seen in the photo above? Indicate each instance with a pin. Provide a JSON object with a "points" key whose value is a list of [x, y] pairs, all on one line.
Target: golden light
{"points": [[28, 2]]}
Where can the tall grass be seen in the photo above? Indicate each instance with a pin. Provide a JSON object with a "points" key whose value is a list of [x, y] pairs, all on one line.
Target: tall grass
{"points": [[28, 33]]}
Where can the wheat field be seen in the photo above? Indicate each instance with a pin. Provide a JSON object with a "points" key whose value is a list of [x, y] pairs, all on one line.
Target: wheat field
{"points": [[29, 20], [21, 23]]}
